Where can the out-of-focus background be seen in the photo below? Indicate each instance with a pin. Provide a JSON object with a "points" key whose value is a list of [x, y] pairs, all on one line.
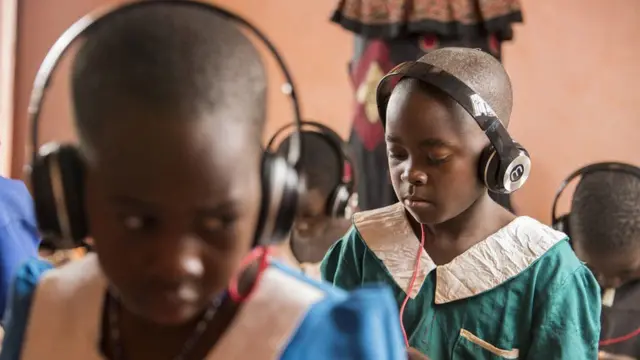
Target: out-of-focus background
{"points": [[573, 63]]}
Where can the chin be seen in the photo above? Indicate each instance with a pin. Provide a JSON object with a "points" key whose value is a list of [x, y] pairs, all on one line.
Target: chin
{"points": [[427, 216], [167, 312]]}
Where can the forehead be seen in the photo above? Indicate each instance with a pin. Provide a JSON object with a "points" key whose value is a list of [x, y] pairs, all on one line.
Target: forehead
{"points": [[415, 114], [154, 155]]}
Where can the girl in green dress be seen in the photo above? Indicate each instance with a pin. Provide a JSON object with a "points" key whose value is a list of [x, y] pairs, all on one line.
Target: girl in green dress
{"points": [[482, 283]]}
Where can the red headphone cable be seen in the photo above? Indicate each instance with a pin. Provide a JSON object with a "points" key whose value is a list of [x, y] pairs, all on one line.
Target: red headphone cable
{"points": [[262, 253], [620, 339], [416, 267]]}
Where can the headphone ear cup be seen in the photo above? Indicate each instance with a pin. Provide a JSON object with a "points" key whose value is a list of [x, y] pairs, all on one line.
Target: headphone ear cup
{"points": [[495, 179], [488, 167], [562, 224], [280, 184], [57, 182], [338, 201]]}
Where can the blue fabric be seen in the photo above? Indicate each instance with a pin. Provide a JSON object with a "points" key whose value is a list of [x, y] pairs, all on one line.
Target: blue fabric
{"points": [[19, 239], [17, 312], [361, 325]]}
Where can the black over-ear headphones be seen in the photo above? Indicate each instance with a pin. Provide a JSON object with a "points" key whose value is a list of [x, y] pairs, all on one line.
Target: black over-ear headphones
{"points": [[342, 199], [561, 223], [504, 165], [57, 171]]}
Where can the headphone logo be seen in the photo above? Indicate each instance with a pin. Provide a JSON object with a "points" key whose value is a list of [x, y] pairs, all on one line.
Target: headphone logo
{"points": [[516, 173], [481, 107]]}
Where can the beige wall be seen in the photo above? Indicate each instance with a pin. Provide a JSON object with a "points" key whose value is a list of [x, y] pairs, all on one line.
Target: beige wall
{"points": [[573, 64]]}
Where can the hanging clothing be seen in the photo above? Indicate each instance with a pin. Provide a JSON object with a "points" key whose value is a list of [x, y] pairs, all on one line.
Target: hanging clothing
{"points": [[449, 19]]}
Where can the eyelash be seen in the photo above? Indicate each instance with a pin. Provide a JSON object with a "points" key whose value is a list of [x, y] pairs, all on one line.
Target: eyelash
{"points": [[430, 160], [439, 161]]}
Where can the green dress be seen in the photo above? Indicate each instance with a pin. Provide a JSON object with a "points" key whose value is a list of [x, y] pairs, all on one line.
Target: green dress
{"points": [[519, 294]]}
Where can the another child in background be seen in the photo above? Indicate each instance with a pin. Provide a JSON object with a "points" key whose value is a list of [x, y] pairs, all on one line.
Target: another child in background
{"points": [[489, 284], [170, 108], [19, 238], [324, 215], [604, 226]]}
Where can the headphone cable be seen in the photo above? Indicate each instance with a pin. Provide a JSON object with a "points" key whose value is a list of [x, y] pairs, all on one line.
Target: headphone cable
{"points": [[416, 267]]}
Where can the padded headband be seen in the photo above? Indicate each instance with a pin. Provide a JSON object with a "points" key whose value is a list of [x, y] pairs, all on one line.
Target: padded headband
{"points": [[590, 169], [80, 27], [473, 103]]}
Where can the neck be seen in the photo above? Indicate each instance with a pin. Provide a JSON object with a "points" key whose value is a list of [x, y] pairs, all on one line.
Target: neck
{"points": [[483, 218], [284, 253]]}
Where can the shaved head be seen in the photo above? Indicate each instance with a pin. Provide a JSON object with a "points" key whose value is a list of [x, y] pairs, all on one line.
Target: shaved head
{"points": [[167, 61], [481, 72]]}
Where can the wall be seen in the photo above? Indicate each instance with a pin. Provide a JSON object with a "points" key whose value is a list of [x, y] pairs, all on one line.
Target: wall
{"points": [[571, 64], [8, 25]]}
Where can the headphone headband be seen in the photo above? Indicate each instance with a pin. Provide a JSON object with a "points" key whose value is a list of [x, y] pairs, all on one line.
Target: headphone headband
{"points": [[455, 88], [329, 135], [590, 169], [80, 27]]}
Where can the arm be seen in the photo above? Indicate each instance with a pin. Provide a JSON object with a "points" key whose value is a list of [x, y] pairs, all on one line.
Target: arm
{"points": [[567, 324], [19, 305], [342, 264], [18, 243]]}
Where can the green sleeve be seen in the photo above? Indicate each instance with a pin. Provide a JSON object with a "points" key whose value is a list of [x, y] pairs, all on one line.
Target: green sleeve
{"points": [[342, 265], [567, 324]]}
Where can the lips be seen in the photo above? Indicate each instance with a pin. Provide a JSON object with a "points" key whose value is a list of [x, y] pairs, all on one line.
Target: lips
{"points": [[414, 198], [416, 202]]}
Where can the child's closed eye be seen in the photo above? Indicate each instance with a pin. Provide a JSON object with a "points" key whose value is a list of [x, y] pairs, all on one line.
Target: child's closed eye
{"points": [[137, 222]]}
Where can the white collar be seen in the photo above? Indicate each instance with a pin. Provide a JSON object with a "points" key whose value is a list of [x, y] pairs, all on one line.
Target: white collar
{"points": [[484, 266]]}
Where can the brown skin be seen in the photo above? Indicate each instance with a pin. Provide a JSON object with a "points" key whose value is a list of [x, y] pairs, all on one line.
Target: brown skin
{"points": [[313, 231], [171, 217], [434, 149], [612, 269]]}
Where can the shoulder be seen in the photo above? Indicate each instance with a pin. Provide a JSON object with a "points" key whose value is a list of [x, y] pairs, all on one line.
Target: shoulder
{"points": [[375, 219], [28, 276], [56, 286], [362, 324], [19, 306]]}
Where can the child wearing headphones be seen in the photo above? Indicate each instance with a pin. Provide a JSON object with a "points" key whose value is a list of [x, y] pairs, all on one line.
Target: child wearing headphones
{"points": [[604, 225], [472, 280], [169, 103], [329, 201]]}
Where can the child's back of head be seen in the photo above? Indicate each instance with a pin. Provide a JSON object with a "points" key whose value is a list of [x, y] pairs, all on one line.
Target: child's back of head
{"points": [[605, 225], [316, 228]]}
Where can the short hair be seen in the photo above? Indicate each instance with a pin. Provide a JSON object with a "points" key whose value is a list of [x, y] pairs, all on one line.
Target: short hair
{"points": [[319, 160], [171, 59], [605, 211], [481, 72]]}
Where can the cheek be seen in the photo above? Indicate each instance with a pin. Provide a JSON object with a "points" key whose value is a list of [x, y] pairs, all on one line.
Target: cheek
{"points": [[457, 182]]}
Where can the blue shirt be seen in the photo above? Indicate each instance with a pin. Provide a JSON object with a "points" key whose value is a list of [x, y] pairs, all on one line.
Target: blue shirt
{"points": [[19, 239]]}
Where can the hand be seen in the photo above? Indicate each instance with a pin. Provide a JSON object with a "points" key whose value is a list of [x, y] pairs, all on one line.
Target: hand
{"points": [[414, 354]]}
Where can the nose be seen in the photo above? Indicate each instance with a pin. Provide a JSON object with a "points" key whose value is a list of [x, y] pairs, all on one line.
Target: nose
{"points": [[414, 176], [178, 258]]}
